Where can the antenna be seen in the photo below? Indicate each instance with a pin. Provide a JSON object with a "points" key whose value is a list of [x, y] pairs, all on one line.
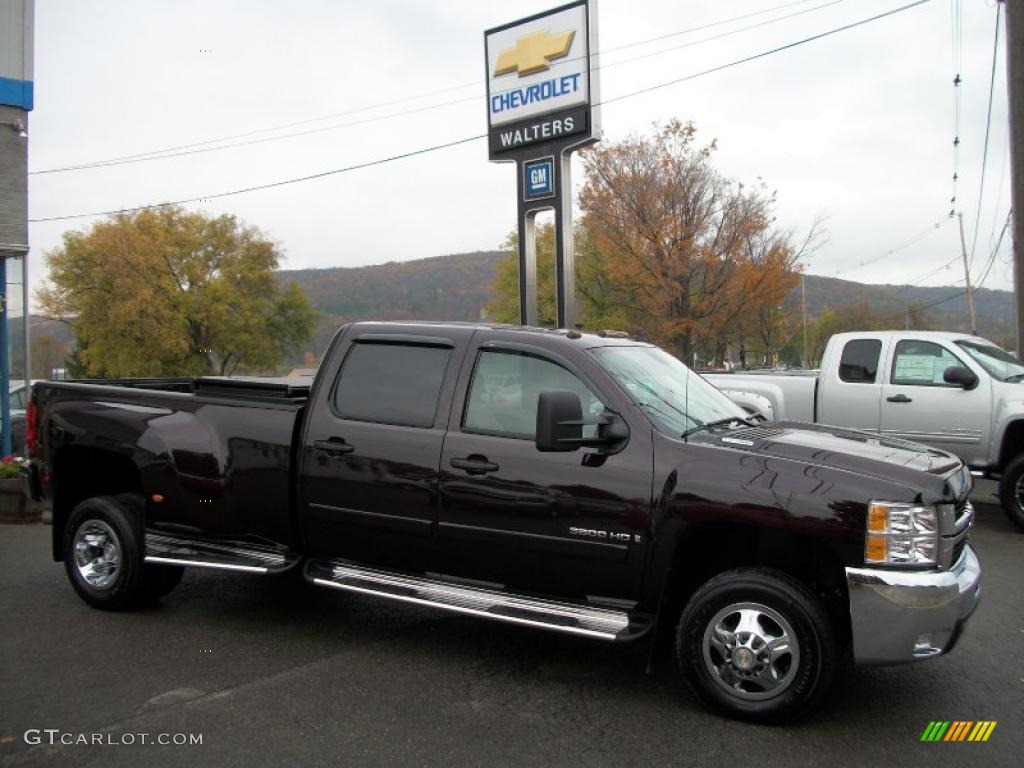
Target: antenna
{"points": [[686, 398]]}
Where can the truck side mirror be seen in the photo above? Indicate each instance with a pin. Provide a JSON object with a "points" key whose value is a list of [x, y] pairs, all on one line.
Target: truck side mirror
{"points": [[961, 376], [559, 422], [560, 425]]}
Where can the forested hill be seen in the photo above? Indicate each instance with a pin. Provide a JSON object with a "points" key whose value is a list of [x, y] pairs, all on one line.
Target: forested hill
{"points": [[457, 287], [993, 308], [438, 288]]}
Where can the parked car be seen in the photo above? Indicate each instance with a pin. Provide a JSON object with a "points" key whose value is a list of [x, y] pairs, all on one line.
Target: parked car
{"points": [[956, 392], [616, 496]]}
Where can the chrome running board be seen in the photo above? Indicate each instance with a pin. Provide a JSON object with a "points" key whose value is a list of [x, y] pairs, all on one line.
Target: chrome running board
{"points": [[571, 618], [246, 557]]}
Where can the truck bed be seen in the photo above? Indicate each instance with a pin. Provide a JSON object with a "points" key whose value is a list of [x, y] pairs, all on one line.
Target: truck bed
{"points": [[792, 395], [217, 450]]}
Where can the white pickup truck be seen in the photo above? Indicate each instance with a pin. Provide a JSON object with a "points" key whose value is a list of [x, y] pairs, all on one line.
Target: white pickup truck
{"points": [[953, 391]]}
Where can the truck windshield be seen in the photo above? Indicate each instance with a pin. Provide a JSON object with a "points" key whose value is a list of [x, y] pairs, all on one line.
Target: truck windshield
{"points": [[998, 362], [674, 398]]}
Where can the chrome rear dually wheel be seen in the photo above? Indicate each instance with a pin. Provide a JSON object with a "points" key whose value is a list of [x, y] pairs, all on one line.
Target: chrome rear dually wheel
{"points": [[104, 554]]}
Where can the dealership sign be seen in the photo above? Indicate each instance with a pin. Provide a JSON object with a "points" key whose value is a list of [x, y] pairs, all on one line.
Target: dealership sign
{"points": [[540, 83], [542, 104]]}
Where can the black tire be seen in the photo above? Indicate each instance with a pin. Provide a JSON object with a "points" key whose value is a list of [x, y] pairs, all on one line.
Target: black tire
{"points": [[160, 579], [749, 687], [1008, 497]]}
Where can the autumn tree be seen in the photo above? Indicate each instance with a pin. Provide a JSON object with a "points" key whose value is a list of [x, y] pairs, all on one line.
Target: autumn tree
{"points": [[166, 291], [694, 256]]}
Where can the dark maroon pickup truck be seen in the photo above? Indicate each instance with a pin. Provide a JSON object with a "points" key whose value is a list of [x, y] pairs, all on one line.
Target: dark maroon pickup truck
{"points": [[579, 483]]}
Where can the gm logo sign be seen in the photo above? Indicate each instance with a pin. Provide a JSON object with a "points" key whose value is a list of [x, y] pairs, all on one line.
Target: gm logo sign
{"points": [[539, 178]]}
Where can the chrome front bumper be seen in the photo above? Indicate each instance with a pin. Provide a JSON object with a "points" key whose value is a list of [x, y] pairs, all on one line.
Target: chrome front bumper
{"points": [[900, 616]]}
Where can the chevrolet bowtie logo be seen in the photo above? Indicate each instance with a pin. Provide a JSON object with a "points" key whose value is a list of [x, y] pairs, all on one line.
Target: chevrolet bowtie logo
{"points": [[533, 53]]}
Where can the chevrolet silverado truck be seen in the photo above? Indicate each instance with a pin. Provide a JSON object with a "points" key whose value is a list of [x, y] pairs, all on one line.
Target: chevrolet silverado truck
{"points": [[580, 483], [952, 391]]}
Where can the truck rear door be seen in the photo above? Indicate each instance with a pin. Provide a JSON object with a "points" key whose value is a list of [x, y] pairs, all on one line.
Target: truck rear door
{"points": [[850, 387], [369, 484]]}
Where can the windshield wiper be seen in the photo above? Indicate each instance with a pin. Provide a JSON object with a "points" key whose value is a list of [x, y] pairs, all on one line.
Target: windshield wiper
{"points": [[718, 423]]}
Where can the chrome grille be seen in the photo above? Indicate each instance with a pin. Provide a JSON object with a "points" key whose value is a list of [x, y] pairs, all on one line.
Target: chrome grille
{"points": [[954, 529]]}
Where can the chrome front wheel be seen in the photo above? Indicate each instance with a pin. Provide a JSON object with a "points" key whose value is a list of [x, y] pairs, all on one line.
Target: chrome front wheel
{"points": [[751, 650]]}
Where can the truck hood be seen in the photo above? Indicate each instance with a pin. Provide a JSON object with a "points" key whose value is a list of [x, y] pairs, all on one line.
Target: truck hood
{"points": [[863, 453]]}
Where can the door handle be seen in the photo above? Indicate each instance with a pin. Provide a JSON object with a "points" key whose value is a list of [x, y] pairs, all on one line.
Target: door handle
{"points": [[475, 464], [901, 398], [333, 447]]}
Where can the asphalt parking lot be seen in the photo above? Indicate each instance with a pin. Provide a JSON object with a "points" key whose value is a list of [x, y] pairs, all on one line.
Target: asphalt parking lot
{"points": [[272, 672]]}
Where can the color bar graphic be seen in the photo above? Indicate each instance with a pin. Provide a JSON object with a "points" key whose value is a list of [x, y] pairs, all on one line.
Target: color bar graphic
{"points": [[958, 730]]}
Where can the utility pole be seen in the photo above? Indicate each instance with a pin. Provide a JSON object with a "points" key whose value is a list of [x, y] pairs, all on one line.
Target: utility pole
{"points": [[1015, 93], [967, 278], [803, 305]]}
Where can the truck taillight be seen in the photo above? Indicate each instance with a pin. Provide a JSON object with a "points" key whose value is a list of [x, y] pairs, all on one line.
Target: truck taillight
{"points": [[31, 438]]}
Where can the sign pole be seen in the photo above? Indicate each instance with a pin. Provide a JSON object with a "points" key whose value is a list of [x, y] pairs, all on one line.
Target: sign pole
{"points": [[565, 269]]}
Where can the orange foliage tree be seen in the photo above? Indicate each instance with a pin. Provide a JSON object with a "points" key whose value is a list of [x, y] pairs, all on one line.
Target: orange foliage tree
{"points": [[696, 259]]}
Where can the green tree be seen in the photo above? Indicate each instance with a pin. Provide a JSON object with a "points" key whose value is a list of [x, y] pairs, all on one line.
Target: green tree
{"points": [[599, 300], [171, 292]]}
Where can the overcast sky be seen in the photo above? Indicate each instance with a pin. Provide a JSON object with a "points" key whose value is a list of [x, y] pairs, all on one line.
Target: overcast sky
{"points": [[857, 127]]}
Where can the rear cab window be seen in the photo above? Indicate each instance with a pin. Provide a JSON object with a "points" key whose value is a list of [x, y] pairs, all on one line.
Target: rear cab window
{"points": [[859, 361], [390, 383]]}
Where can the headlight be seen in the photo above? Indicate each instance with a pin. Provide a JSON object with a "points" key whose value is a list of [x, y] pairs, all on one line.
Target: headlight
{"points": [[901, 534]]}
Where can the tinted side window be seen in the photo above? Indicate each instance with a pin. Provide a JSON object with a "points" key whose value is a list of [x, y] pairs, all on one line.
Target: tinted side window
{"points": [[503, 395], [922, 363], [859, 363], [391, 384]]}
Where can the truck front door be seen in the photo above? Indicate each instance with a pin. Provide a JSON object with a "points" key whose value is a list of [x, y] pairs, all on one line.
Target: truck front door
{"points": [[917, 404], [573, 524]]}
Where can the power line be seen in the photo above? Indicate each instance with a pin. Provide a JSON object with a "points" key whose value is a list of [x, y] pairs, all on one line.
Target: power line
{"points": [[995, 251], [456, 142], [927, 305], [196, 151], [927, 275], [761, 55], [178, 151], [988, 126], [913, 240], [281, 183], [956, 24]]}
